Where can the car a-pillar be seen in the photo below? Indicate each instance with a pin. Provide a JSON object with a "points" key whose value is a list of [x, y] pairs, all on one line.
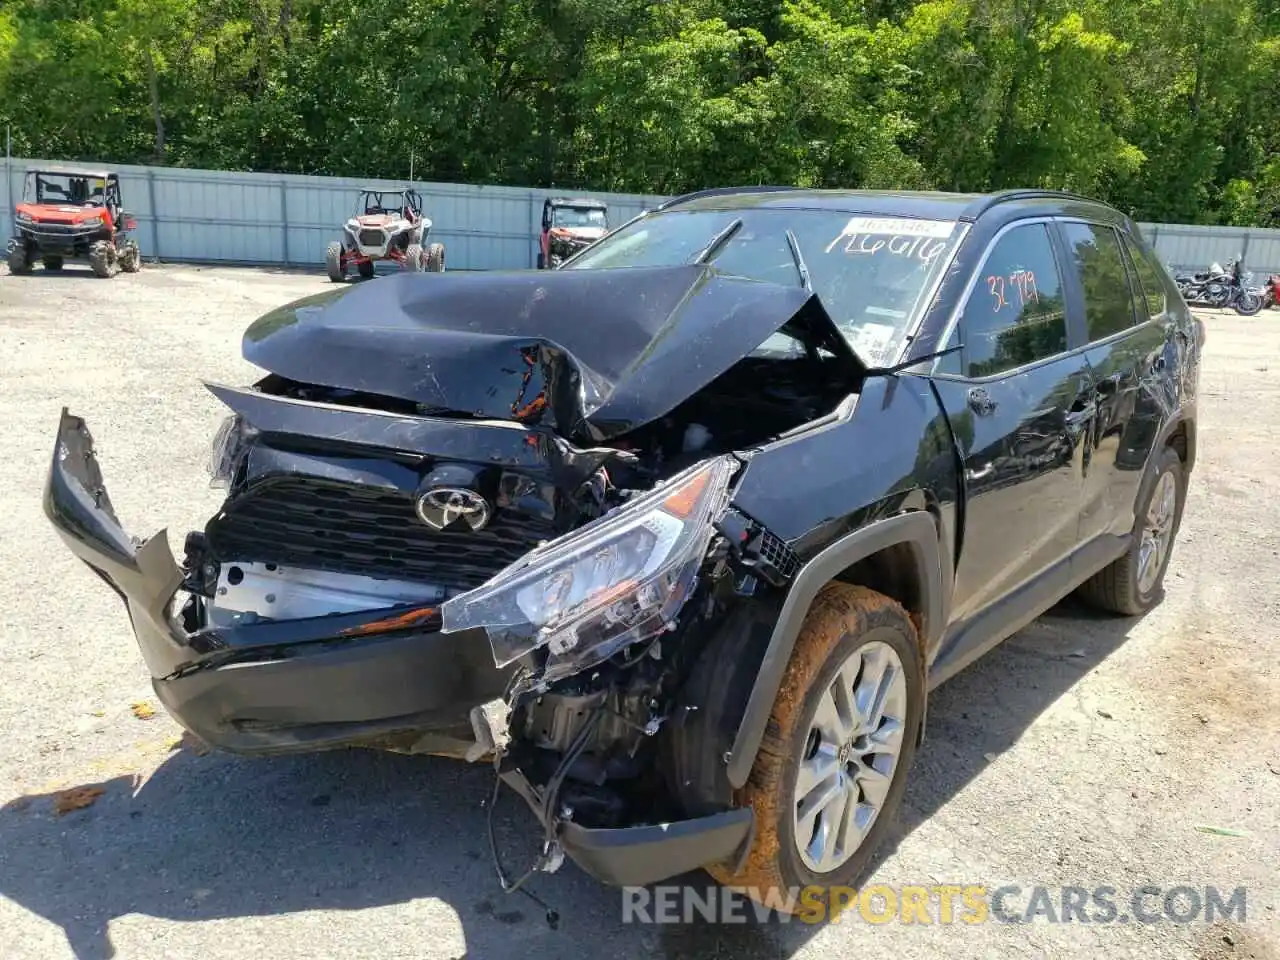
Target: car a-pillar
{"points": [[784, 707]]}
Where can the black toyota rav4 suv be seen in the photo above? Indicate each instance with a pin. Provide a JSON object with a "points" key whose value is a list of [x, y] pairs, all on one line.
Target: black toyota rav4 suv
{"points": [[679, 536]]}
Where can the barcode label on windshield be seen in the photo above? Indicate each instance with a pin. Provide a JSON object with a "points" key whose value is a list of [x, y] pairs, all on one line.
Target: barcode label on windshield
{"points": [[902, 226]]}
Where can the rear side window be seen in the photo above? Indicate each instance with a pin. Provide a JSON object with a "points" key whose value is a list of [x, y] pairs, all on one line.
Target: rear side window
{"points": [[1150, 276], [1095, 252], [1014, 314]]}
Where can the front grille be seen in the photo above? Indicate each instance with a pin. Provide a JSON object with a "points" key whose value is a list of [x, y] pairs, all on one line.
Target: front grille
{"points": [[372, 238], [59, 230], [303, 522]]}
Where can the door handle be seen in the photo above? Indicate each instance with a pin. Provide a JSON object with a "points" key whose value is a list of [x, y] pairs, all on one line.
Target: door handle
{"points": [[980, 401]]}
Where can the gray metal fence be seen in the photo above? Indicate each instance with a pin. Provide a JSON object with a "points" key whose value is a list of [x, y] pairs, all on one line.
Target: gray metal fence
{"points": [[1186, 247], [214, 216]]}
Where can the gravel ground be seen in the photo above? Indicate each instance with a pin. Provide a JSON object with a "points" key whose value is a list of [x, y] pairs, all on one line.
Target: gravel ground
{"points": [[1084, 751]]}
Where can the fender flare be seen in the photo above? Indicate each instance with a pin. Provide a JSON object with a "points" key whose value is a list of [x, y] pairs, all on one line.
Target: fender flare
{"points": [[919, 531], [1184, 415]]}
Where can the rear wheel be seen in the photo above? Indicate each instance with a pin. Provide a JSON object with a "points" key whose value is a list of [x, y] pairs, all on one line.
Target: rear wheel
{"points": [[833, 764], [365, 268], [1133, 584], [102, 258], [333, 262], [435, 258], [52, 263], [130, 257], [18, 260], [413, 258]]}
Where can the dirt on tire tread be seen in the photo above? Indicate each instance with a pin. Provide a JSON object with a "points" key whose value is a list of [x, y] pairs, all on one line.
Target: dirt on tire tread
{"points": [[838, 610]]}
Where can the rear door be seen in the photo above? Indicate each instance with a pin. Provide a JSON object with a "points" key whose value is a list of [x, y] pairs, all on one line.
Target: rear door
{"points": [[1017, 398], [1130, 335]]}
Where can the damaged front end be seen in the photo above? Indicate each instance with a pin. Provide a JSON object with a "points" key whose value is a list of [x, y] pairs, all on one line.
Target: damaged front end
{"points": [[503, 541]]}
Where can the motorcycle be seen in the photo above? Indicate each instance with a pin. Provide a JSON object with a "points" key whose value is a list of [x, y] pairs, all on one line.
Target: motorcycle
{"points": [[1221, 288], [1211, 288]]}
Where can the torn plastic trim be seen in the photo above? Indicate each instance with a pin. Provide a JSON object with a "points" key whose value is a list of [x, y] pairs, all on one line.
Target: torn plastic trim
{"points": [[143, 573], [619, 580]]}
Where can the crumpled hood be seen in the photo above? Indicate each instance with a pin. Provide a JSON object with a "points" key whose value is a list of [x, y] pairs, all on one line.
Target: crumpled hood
{"points": [[592, 353]]}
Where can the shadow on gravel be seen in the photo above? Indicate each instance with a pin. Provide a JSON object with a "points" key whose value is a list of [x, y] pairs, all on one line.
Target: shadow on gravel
{"points": [[210, 837]]}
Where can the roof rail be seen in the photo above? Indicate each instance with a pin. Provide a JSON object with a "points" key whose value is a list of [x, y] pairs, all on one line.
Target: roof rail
{"points": [[984, 204], [721, 192]]}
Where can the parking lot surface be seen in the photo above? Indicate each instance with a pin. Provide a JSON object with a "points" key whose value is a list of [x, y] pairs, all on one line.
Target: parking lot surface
{"points": [[1084, 752]]}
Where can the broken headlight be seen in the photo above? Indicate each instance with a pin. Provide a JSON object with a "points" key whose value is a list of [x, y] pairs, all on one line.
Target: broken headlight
{"points": [[618, 580], [230, 444]]}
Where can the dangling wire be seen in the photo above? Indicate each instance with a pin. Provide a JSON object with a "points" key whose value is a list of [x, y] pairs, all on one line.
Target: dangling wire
{"points": [[550, 795]]}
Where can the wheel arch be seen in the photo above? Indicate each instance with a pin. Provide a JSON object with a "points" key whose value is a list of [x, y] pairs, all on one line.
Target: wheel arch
{"points": [[1180, 433], [901, 554]]}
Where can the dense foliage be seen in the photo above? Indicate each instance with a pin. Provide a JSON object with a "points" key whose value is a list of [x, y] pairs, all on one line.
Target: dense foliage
{"points": [[1169, 108]]}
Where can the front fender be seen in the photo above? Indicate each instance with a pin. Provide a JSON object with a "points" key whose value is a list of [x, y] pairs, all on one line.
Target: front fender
{"points": [[918, 530]]}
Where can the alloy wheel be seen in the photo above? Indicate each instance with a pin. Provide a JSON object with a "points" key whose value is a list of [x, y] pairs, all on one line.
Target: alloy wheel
{"points": [[850, 755], [1157, 531]]}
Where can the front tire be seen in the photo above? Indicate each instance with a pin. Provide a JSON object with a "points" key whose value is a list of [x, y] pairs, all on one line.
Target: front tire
{"points": [[333, 264], [365, 269], [833, 764], [19, 263], [102, 259], [1134, 584], [1248, 304], [435, 258], [413, 258]]}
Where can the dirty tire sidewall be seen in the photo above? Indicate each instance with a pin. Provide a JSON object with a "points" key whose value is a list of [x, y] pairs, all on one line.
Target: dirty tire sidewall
{"points": [[333, 262], [131, 258], [842, 619], [102, 259], [17, 258]]}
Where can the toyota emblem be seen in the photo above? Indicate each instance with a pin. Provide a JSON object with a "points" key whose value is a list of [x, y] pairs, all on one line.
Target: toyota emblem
{"points": [[445, 506]]}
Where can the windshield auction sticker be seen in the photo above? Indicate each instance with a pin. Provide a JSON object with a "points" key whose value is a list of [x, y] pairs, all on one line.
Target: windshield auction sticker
{"points": [[902, 236]]}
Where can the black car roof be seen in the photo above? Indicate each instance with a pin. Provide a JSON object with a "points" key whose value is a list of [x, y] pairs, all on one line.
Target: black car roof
{"points": [[1001, 206]]}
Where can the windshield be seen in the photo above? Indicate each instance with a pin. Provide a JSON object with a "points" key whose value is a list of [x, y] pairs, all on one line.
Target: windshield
{"points": [[65, 189], [871, 273], [578, 217]]}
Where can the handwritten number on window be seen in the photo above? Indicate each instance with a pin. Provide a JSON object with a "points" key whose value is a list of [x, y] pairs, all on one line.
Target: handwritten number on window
{"points": [[1023, 283]]}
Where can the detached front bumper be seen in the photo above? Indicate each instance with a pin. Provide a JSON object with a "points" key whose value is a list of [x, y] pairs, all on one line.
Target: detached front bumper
{"points": [[274, 687], [635, 856]]}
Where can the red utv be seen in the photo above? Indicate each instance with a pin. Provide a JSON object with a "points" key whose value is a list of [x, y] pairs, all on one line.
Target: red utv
{"points": [[68, 213], [569, 226], [385, 225]]}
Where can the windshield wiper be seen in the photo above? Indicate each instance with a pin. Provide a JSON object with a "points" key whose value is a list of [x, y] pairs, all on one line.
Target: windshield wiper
{"points": [[801, 269], [718, 241]]}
